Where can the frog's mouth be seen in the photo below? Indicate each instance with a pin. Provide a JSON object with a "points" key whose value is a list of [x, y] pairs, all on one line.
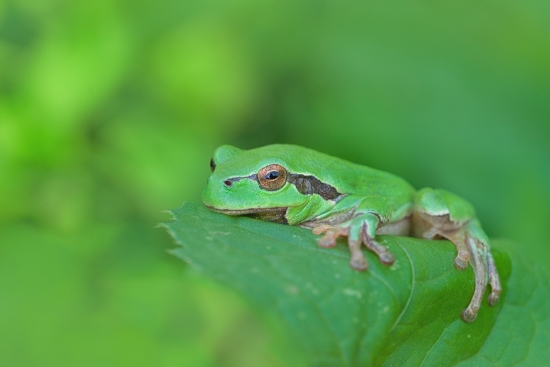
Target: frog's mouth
{"points": [[270, 214]]}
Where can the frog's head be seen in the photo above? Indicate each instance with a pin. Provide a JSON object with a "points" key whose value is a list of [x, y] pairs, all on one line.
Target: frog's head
{"points": [[264, 181]]}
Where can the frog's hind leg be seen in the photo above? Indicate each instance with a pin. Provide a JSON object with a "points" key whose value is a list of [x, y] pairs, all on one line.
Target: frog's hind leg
{"points": [[440, 214]]}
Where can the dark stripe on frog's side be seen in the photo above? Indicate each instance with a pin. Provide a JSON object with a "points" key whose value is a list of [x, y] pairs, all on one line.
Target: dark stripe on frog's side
{"points": [[306, 185]]}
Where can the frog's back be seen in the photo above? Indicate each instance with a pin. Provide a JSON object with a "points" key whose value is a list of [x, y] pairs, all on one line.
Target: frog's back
{"points": [[369, 181], [346, 177]]}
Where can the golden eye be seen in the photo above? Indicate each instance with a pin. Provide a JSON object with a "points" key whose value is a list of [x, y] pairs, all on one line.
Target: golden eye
{"points": [[272, 177]]}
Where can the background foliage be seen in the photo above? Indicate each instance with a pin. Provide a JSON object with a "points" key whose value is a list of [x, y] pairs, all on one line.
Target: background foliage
{"points": [[110, 110]]}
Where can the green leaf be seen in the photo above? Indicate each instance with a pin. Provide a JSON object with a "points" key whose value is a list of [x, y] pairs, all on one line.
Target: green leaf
{"points": [[404, 315]]}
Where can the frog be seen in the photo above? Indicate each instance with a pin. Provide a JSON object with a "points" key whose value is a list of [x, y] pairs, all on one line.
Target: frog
{"points": [[335, 198]]}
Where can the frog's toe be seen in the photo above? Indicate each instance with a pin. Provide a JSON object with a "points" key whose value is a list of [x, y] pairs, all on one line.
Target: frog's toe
{"points": [[358, 261], [331, 235], [461, 260], [469, 315], [359, 264], [493, 299], [384, 255], [327, 241], [387, 258]]}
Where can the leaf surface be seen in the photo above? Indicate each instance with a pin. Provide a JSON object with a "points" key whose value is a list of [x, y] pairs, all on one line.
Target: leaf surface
{"points": [[404, 315]]}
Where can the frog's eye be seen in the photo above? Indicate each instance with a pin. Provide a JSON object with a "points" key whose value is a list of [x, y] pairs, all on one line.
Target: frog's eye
{"points": [[272, 177], [212, 164]]}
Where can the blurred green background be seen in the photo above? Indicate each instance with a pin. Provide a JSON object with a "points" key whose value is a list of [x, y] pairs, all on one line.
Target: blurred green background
{"points": [[111, 109]]}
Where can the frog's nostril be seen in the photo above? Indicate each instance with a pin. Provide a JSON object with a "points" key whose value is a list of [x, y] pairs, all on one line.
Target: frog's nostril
{"points": [[227, 183]]}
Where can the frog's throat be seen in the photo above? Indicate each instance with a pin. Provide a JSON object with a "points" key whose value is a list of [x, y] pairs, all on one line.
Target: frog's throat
{"points": [[276, 215], [248, 211]]}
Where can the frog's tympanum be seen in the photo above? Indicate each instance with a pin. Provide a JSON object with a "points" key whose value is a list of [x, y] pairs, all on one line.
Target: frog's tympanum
{"points": [[298, 186]]}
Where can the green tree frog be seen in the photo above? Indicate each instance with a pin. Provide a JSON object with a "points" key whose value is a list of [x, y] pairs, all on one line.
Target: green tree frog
{"points": [[297, 186]]}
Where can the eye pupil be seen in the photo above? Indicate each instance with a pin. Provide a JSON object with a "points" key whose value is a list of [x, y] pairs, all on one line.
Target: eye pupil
{"points": [[272, 175]]}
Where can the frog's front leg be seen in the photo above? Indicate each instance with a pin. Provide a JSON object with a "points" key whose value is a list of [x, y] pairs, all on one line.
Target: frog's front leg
{"points": [[441, 214], [359, 220]]}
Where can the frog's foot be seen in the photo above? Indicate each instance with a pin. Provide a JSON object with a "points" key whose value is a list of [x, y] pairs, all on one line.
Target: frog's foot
{"points": [[440, 214], [357, 232], [358, 261], [472, 247]]}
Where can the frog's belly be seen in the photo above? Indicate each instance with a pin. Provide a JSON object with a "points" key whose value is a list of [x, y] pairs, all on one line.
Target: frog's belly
{"points": [[400, 228]]}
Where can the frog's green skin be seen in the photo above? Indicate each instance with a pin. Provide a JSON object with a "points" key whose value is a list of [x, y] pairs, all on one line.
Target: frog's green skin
{"points": [[339, 198]]}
